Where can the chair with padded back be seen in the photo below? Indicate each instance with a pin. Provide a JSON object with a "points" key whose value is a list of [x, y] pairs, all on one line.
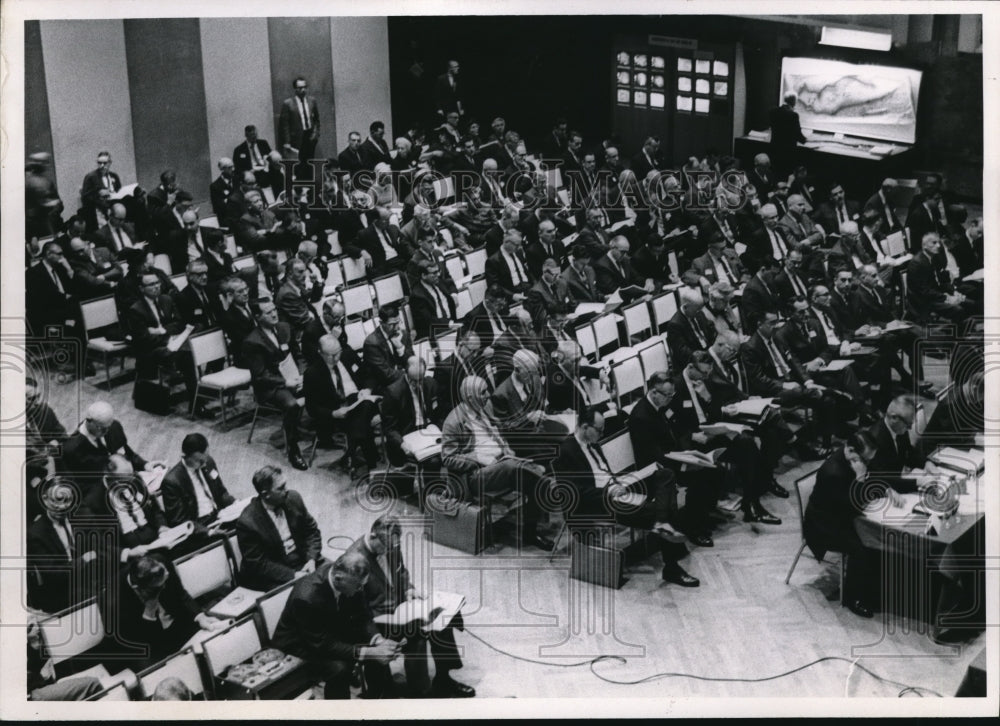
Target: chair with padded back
{"points": [[629, 382], [101, 314], [475, 262], [182, 665], [654, 356], [162, 263], [270, 605], [664, 307], [455, 265], [357, 300], [389, 289], [68, 636], [638, 324], [180, 281], [606, 335], [235, 554], [244, 262], [228, 647], [353, 269], [588, 343], [207, 573], [804, 486], [209, 347]]}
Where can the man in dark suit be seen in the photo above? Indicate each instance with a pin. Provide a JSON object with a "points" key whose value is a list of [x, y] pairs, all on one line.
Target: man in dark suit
{"points": [[335, 399], [518, 336], [593, 241], [789, 283], [884, 201], [222, 187], [840, 305], [236, 318], [151, 614], [349, 159], [759, 296], [613, 271], [771, 242], [894, 452], [410, 403], [762, 176], [100, 435], [292, 298], [507, 268], [518, 408], [776, 373], [192, 490], [546, 246], [60, 568], [720, 262], [277, 536], [786, 133], [646, 160], [837, 210], [152, 321], [95, 272], [298, 124], [328, 623], [265, 348], [387, 348], [118, 235], [929, 286], [580, 278], [388, 585], [689, 330], [49, 298], [375, 150], [548, 295], [251, 155], [195, 304], [467, 360], [447, 96], [489, 319], [381, 241], [433, 308], [100, 178], [841, 489]]}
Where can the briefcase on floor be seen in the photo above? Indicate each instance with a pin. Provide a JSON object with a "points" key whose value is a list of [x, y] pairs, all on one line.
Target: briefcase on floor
{"points": [[592, 561], [152, 397], [461, 525]]}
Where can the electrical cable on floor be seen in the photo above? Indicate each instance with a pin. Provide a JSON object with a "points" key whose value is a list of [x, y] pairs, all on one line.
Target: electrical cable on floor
{"points": [[591, 662]]}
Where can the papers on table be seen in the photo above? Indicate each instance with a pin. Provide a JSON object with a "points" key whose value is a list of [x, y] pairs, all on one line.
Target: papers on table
{"points": [[634, 477], [290, 372], [618, 225], [433, 613], [238, 602], [176, 341], [838, 364], [967, 462], [423, 443], [977, 276]]}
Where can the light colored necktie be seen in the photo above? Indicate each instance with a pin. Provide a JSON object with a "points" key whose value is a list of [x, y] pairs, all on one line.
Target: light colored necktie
{"points": [[305, 114]]}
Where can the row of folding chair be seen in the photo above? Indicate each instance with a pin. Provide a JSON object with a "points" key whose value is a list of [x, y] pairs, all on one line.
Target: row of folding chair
{"points": [[606, 333]]}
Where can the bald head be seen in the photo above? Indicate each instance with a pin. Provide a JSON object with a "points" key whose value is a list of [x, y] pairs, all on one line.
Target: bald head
{"points": [[848, 229], [525, 362], [101, 412], [489, 165], [329, 345], [762, 160]]}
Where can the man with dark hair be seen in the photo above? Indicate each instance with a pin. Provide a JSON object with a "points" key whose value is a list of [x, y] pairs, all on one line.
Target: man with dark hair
{"points": [[447, 97], [192, 490], [433, 308], [387, 348], [277, 535], [548, 295], [298, 124], [388, 585], [328, 623], [265, 350], [222, 186], [489, 319], [196, 307], [467, 360], [580, 278], [251, 155], [49, 296], [164, 194], [375, 150], [100, 178], [350, 159], [647, 159], [786, 133]]}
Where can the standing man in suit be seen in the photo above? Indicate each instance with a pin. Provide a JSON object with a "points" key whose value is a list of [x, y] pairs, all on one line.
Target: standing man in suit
{"points": [[328, 623], [335, 400], [264, 349], [387, 349], [410, 403], [221, 187], [276, 533], [192, 490], [786, 133], [388, 585], [446, 93], [100, 178], [298, 124]]}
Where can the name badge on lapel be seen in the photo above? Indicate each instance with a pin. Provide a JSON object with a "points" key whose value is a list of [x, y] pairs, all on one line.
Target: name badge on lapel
{"points": [[812, 333], [670, 413], [214, 474], [687, 404], [284, 347], [198, 311]]}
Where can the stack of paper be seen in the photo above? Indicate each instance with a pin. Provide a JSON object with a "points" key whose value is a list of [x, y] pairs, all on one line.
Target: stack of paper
{"points": [[724, 428], [423, 443], [172, 537], [752, 407], [238, 602], [433, 613], [233, 511]]}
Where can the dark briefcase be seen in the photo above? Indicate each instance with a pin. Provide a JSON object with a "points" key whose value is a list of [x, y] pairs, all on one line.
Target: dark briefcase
{"points": [[458, 524], [595, 559], [152, 397]]}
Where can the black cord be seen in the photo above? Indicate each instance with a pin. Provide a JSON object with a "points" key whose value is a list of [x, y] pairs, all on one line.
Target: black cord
{"points": [[919, 690]]}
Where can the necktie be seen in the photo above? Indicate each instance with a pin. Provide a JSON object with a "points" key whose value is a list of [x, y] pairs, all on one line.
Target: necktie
{"points": [[518, 271], [735, 369], [842, 213], [67, 537], [729, 269], [800, 288], [156, 311], [779, 362], [206, 307], [305, 114], [57, 281], [205, 489], [598, 455], [777, 244], [440, 302], [418, 405], [255, 154], [107, 181], [697, 331], [338, 382]]}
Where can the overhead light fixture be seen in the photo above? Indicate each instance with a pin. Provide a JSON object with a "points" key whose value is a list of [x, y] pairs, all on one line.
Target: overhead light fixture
{"points": [[850, 38]]}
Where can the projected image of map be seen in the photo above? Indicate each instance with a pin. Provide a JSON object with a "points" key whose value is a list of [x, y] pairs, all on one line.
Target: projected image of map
{"points": [[878, 101]]}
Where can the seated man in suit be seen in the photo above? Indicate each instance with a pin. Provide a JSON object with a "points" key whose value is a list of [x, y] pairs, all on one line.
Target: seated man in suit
{"points": [[720, 311], [100, 178], [257, 229], [507, 268], [582, 465], [474, 452], [489, 319], [292, 298], [719, 264], [49, 298], [328, 623], [842, 488], [549, 294], [95, 272], [689, 330], [410, 403], [276, 534], [152, 320], [895, 454], [222, 186], [119, 234], [771, 242], [774, 372], [387, 349], [192, 490], [382, 243], [837, 210], [61, 571], [651, 263], [799, 227], [331, 322], [958, 418], [518, 406], [265, 349], [236, 317], [433, 308], [336, 400], [387, 586], [190, 241], [593, 241], [467, 360], [759, 296], [197, 307], [518, 336], [580, 278], [547, 246], [251, 155], [86, 451], [155, 614], [929, 286], [790, 283], [613, 271]]}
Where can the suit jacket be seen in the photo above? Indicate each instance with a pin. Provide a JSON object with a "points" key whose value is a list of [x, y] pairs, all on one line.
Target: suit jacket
{"points": [[219, 191], [510, 410], [322, 398], [543, 298], [350, 160], [93, 183], [202, 314], [293, 305], [653, 433], [243, 159], [85, 272], [571, 466], [826, 215], [179, 501], [368, 240], [828, 523], [141, 318], [498, 273], [43, 302], [424, 308], [536, 254], [683, 340], [265, 564], [761, 371], [842, 312], [890, 222], [763, 183], [83, 459], [478, 319], [757, 298], [314, 330], [319, 627], [806, 344], [785, 290], [290, 122], [761, 247], [582, 288], [105, 237], [887, 465], [374, 153], [641, 166], [927, 283], [785, 129], [866, 307], [609, 278], [596, 242], [55, 580], [398, 415], [237, 325], [383, 591], [97, 507], [448, 377], [458, 442], [705, 266], [263, 359], [381, 359], [919, 222]]}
